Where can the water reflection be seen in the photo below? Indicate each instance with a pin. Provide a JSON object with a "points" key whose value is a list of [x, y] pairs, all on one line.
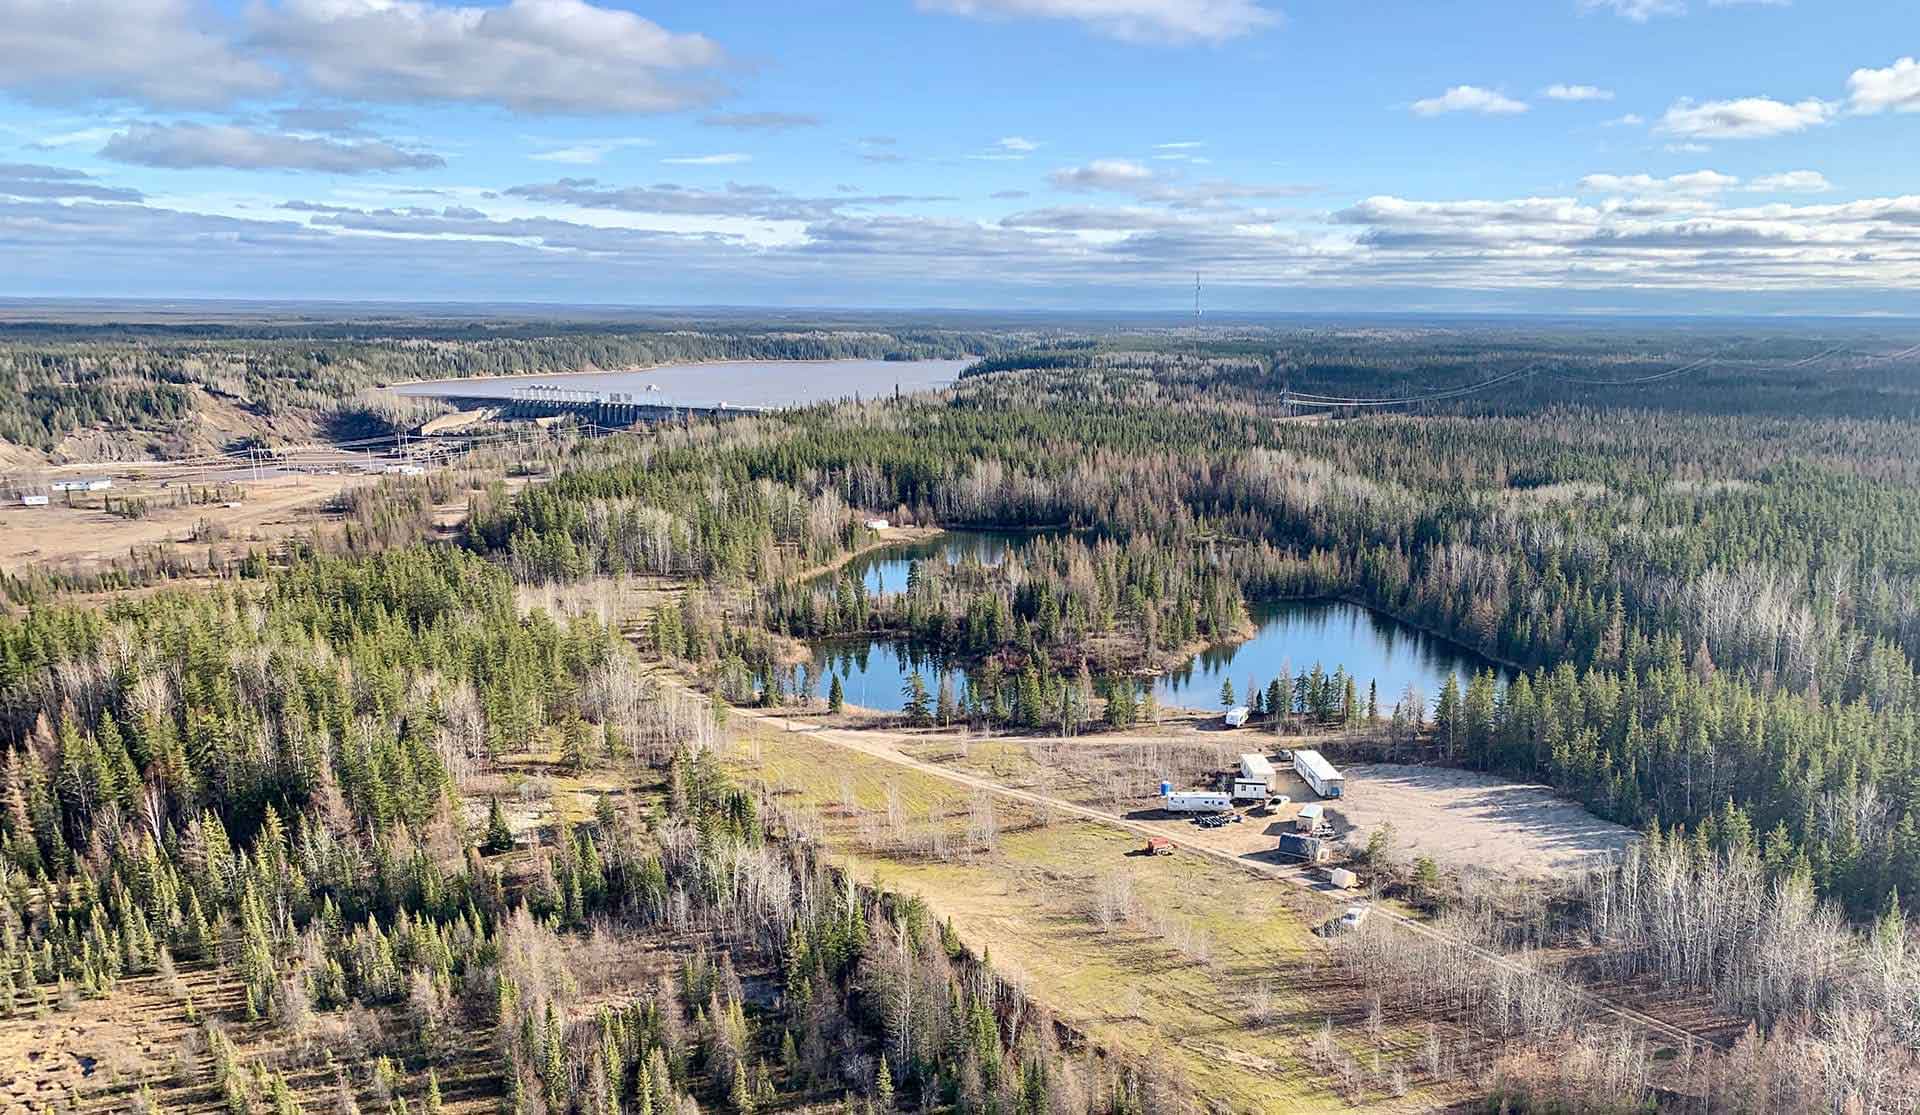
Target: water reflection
{"points": [[876, 673], [1296, 635], [886, 569], [1292, 637]]}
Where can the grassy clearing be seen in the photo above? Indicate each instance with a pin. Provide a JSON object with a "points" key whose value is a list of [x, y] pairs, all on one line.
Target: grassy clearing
{"points": [[1179, 958]]}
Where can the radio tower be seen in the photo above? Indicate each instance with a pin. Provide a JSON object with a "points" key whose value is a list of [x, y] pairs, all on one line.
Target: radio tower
{"points": [[1196, 319]]}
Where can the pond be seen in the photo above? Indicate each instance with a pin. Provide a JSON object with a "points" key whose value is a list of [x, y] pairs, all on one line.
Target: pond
{"points": [[885, 569], [1291, 635], [743, 383], [1296, 635]]}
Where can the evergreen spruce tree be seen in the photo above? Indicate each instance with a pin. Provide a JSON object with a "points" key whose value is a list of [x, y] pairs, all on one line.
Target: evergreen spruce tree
{"points": [[883, 1087], [499, 837]]}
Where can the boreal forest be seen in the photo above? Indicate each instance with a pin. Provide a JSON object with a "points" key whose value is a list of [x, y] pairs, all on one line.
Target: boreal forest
{"points": [[519, 783]]}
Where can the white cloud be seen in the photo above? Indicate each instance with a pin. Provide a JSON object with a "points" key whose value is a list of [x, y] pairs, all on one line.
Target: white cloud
{"points": [[1791, 182], [727, 158], [184, 146], [1897, 87], [1639, 11], [1138, 21], [1469, 98], [588, 151], [1183, 145], [1688, 148], [1017, 143], [1695, 183], [1744, 118], [165, 53], [1630, 120], [1103, 174], [1577, 93], [761, 121], [549, 56]]}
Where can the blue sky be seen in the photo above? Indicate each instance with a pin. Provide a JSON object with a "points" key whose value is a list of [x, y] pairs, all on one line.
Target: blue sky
{"points": [[1681, 156]]}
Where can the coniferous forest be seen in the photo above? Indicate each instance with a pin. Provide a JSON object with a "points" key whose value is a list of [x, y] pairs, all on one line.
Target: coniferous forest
{"points": [[288, 795]]}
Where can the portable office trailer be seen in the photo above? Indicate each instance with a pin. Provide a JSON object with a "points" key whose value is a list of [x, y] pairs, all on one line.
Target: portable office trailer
{"points": [[1251, 789], [1325, 779], [1256, 767], [1309, 817], [33, 501], [1193, 801], [1197, 801]]}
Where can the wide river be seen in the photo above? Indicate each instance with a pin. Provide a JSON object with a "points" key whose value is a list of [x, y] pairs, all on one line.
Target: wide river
{"points": [[742, 383], [1290, 636]]}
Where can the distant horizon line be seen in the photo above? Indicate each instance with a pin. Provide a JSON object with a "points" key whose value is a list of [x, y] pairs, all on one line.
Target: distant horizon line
{"points": [[75, 304]]}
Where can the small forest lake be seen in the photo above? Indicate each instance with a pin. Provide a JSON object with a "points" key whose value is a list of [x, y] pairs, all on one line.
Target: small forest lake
{"points": [[1290, 636], [740, 383]]}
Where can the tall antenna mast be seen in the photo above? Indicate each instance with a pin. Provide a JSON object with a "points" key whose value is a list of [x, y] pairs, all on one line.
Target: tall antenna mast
{"points": [[1196, 318]]}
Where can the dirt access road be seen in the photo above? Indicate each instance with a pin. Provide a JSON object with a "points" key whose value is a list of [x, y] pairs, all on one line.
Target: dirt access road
{"points": [[1206, 842]]}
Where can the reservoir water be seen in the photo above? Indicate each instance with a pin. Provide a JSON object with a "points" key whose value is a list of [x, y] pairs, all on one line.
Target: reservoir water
{"points": [[744, 383], [1290, 636]]}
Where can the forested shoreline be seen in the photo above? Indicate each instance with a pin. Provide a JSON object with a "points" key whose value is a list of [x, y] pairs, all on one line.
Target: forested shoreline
{"points": [[60, 382]]}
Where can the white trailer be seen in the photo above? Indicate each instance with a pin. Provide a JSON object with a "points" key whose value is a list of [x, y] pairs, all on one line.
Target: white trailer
{"points": [[1256, 768], [1326, 780], [1342, 878], [1309, 817], [1236, 716], [1251, 789], [1194, 801]]}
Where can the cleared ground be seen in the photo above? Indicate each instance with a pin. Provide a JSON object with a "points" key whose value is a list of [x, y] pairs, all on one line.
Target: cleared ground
{"points": [[1184, 959], [1468, 820], [85, 534]]}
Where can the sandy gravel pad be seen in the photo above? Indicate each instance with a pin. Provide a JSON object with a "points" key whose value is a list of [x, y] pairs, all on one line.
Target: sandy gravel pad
{"points": [[1466, 820]]}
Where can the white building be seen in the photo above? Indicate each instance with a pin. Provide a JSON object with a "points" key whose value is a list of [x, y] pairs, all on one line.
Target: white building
{"points": [[92, 484], [1193, 801], [1256, 768], [877, 524], [33, 501], [1324, 777]]}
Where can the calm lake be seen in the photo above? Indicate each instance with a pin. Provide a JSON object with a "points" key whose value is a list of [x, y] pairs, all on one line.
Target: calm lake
{"points": [[1291, 636], [747, 383]]}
